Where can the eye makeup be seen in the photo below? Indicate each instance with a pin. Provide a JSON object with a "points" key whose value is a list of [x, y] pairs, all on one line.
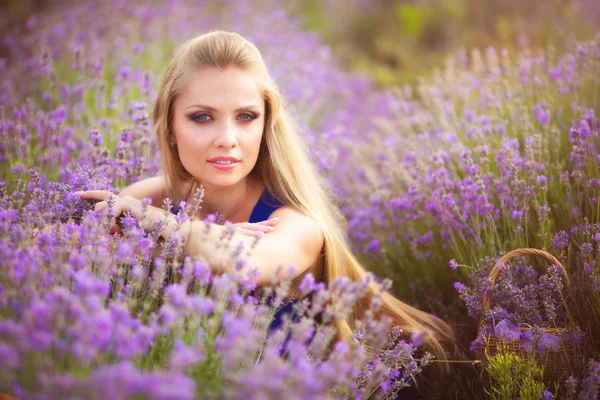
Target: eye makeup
{"points": [[200, 117]]}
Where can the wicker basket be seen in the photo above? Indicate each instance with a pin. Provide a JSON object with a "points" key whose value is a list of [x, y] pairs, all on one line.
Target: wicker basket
{"points": [[557, 364]]}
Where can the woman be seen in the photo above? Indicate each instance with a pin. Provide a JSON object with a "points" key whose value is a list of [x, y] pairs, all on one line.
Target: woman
{"points": [[220, 121]]}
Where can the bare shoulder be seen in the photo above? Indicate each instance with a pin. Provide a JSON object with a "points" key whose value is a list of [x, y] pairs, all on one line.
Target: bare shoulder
{"points": [[154, 188], [296, 223]]}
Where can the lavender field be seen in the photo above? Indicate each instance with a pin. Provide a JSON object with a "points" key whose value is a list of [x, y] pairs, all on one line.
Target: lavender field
{"points": [[496, 151]]}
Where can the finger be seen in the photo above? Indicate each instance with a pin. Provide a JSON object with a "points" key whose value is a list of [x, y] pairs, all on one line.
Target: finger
{"points": [[94, 195], [250, 232], [255, 231], [115, 228], [270, 222], [245, 231], [258, 227], [100, 206], [265, 228], [116, 211]]}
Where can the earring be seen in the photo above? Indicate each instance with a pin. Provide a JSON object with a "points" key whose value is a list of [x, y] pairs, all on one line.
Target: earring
{"points": [[172, 143]]}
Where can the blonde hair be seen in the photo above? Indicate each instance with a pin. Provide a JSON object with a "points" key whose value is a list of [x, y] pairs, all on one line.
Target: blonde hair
{"points": [[288, 174]]}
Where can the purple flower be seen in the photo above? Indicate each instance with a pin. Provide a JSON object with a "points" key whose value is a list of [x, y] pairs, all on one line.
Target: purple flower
{"points": [[417, 338], [542, 114], [184, 356], [453, 265], [547, 395], [373, 246], [308, 284], [590, 386], [543, 182], [561, 240]]}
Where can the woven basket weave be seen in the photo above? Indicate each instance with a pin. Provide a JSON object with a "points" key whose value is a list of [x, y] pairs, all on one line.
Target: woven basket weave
{"points": [[556, 363]]}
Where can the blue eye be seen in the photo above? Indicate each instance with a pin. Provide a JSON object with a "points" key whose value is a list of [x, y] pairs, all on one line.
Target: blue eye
{"points": [[245, 117], [250, 117], [197, 117]]}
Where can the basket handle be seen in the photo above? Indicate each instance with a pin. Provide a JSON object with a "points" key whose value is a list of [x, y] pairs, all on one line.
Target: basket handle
{"points": [[525, 252]]}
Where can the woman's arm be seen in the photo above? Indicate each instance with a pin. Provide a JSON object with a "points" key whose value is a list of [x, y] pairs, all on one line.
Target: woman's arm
{"points": [[154, 188], [126, 202], [297, 241]]}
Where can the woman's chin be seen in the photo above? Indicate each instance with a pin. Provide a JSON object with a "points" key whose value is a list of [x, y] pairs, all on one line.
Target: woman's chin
{"points": [[221, 182], [220, 179]]}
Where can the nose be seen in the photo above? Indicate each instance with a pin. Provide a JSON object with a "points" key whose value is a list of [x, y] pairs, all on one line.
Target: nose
{"points": [[226, 137]]}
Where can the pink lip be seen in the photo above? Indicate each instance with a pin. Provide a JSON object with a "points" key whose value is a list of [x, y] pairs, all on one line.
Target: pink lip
{"points": [[224, 159], [224, 167]]}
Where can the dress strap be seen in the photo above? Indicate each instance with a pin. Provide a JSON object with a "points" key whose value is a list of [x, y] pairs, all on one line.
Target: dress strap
{"points": [[175, 207], [264, 207]]}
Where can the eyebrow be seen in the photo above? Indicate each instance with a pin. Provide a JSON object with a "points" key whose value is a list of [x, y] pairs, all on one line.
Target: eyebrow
{"points": [[245, 108]]}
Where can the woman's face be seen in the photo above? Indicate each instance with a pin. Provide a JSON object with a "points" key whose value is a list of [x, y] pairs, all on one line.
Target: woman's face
{"points": [[219, 114]]}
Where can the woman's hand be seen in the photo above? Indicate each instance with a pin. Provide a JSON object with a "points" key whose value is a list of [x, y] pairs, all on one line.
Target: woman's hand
{"points": [[251, 228], [122, 205], [134, 207]]}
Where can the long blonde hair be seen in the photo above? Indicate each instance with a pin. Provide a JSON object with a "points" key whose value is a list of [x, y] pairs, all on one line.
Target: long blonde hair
{"points": [[288, 174]]}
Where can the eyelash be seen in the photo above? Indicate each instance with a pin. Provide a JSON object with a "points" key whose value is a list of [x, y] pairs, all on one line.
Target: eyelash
{"points": [[195, 116]]}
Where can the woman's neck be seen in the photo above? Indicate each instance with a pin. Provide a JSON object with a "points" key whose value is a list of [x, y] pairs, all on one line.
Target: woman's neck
{"points": [[234, 203]]}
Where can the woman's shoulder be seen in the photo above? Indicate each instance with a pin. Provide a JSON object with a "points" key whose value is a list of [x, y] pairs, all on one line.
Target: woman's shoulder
{"points": [[296, 224], [272, 207], [272, 204]]}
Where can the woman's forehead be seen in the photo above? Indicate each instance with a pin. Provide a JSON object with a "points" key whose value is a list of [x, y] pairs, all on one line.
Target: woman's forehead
{"points": [[229, 89]]}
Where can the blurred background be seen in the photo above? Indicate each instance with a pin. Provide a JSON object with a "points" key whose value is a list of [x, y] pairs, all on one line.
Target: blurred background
{"points": [[397, 41]]}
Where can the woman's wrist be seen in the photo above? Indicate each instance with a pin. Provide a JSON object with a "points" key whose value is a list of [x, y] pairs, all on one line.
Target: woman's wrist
{"points": [[185, 230], [168, 227]]}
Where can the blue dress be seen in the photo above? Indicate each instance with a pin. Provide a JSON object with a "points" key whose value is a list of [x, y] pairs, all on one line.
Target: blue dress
{"points": [[265, 206], [263, 209]]}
